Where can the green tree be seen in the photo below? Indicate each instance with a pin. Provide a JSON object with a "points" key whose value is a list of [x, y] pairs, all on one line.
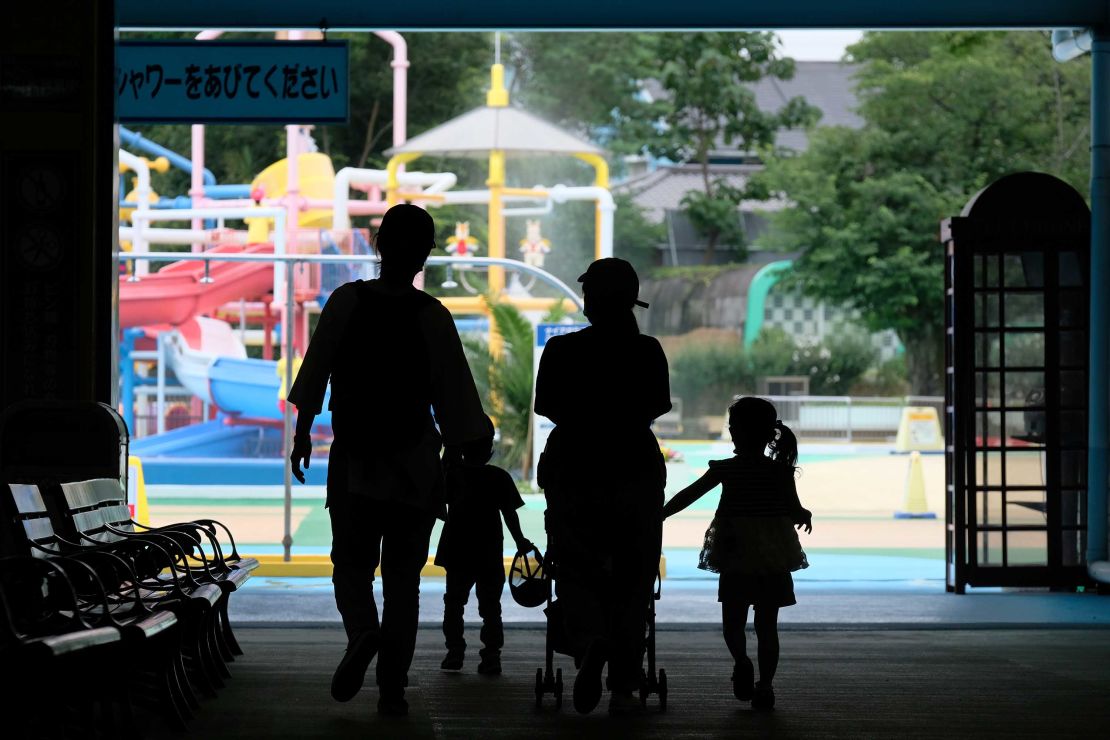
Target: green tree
{"points": [[588, 82], [708, 104], [945, 114]]}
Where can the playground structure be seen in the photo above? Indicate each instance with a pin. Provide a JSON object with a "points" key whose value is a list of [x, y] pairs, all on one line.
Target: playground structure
{"points": [[189, 386]]}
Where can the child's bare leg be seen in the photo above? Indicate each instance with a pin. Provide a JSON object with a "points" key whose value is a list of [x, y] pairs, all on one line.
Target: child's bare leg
{"points": [[734, 618], [767, 632]]}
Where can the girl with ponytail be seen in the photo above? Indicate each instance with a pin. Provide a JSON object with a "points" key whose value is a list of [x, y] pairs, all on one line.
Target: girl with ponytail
{"points": [[752, 542]]}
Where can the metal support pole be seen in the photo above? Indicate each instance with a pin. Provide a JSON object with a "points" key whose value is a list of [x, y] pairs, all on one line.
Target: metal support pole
{"points": [[287, 413], [849, 419], [160, 405], [127, 374], [1098, 418]]}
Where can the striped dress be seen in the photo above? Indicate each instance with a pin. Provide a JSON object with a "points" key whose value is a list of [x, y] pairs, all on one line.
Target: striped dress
{"points": [[752, 532]]}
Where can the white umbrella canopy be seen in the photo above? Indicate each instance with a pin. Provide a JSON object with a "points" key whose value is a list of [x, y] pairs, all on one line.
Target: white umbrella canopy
{"points": [[478, 132]]}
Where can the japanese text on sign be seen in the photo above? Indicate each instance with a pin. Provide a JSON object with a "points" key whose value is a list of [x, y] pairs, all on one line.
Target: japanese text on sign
{"points": [[249, 82]]}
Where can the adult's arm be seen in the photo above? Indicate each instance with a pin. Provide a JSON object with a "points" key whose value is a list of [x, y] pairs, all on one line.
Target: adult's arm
{"points": [[455, 400], [311, 383]]}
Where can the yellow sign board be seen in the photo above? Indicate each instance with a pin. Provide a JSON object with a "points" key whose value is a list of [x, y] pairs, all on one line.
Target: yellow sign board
{"points": [[919, 430]]}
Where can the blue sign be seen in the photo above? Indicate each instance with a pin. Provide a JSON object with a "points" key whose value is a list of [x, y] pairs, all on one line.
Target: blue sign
{"points": [[545, 332], [232, 81]]}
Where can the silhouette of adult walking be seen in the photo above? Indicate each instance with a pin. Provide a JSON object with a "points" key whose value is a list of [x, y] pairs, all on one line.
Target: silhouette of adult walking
{"points": [[393, 356], [603, 474]]}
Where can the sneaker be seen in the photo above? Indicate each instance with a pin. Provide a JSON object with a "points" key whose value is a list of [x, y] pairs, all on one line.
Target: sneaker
{"points": [[393, 705], [453, 661], [351, 672], [587, 684], [743, 680], [764, 697], [624, 703], [490, 665]]}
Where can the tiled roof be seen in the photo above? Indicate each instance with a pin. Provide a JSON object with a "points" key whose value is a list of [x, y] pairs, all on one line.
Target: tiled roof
{"points": [[662, 190], [830, 86], [826, 85]]}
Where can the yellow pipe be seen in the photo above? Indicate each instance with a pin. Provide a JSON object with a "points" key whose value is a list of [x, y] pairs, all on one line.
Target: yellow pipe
{"points": [[470, 305], [601, 168], [395, 163], [434, 197], [601, 180], [525, 193], [497, 96], [496, 184]]}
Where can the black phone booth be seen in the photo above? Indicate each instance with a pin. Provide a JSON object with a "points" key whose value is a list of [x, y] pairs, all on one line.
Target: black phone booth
{"points": [[1016, 319]]}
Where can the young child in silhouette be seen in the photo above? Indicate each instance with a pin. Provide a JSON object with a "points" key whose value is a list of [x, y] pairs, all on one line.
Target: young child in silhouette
{"points": [[751, 541], [479, 495]]}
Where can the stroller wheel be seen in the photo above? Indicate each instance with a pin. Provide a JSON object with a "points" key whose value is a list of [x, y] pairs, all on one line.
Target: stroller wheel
{"points": [[662, 690], [539, 688], [558, 688]]}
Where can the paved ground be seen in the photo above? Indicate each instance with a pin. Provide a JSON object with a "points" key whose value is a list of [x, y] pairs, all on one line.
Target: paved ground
{"points": [[831, 684]]}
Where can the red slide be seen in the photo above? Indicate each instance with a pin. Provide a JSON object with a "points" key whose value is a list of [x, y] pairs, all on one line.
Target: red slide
{"points": [[177, 292]]}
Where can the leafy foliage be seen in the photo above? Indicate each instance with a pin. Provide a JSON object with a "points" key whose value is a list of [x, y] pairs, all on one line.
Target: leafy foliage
{"points": [[705, 376], [945, 114], [505, 382]]}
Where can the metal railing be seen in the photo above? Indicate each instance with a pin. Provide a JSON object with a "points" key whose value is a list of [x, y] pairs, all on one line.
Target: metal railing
{"points": [[847, 418]]}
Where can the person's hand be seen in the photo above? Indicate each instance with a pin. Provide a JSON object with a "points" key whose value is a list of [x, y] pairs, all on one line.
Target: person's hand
{"points": [[524, 545], [807, 521], [302, 452]]}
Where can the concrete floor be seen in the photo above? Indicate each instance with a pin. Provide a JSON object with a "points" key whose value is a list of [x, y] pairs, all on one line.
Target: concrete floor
{"points": [[831, 684]]}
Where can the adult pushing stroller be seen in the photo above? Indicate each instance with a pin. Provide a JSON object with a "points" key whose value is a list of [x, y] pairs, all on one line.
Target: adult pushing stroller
{"points": [[531, 582]]}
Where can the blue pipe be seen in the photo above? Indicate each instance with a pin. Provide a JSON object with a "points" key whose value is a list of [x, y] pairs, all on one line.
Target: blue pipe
{"points": [[131, 138], [227, 192], [1098, 417]]}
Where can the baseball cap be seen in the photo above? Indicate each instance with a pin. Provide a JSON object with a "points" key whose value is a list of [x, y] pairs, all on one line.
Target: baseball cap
{"points": [[615, 277]]}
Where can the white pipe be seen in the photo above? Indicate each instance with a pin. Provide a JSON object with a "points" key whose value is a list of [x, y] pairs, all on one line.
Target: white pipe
{"points": [[558, 194], [435, 182], [542, 210], [605, 205], [1069, 43], [177, 236], [142, 195], [278, 214]]}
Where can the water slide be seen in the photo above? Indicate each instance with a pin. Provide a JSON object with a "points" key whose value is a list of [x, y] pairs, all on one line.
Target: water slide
{"points": [[179, 291], [208, 358]]}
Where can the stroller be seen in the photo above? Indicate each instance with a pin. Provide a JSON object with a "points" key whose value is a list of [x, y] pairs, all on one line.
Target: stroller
{"points": [[531, 584]]}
